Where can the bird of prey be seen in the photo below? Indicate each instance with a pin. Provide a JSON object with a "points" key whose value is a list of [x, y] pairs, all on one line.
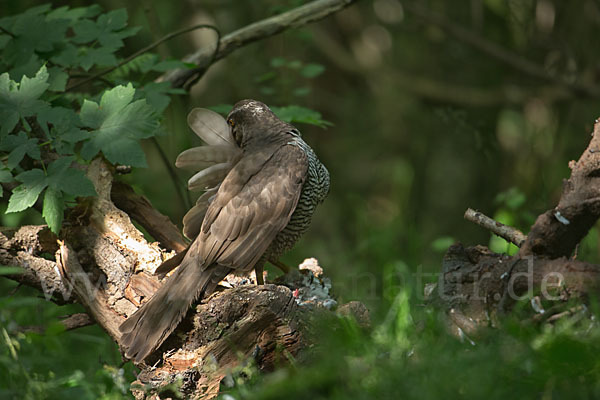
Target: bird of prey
{"points": [[262, 185]]}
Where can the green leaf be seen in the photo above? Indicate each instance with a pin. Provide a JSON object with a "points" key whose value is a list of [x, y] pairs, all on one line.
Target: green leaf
{"points": [[277, 62], [312, 70], [25, 195], [142, 63], [64, 129], [68, 56], [118, 125], [267, 76], [74, 14], [53, 210], [5, 176], [18, 101], [58, 79], [62, 176], [108, 30], [61, 118], [513, 198], [296, 64], [157, 94], [4, 39], [116, 99], [28, 66], [102, 56], [442, 244], [298, 114], [168, 65], [114, 20], [85, 31], [18, 146], [34, 32]]}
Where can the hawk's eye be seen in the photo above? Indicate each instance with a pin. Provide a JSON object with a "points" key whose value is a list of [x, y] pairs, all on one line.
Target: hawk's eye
{"points": [[230, 122]]}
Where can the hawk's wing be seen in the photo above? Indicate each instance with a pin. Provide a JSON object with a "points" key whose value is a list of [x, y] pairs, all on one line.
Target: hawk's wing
{"points": [[253, 204]]}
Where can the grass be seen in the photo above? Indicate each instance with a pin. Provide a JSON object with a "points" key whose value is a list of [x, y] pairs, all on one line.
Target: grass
{"points": [[410, 355], [406, 353]]}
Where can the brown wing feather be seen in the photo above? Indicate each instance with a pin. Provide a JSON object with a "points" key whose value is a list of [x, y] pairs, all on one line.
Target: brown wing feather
{"points": [[253, 204]]}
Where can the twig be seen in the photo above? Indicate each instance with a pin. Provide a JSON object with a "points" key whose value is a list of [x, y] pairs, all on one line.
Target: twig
{"points": [[508, 233], [90, 76], [7, 32], [294, 18], [144, 50], [71, 322], [177, 183], [571, 311], [552, 316], [493, 50]]}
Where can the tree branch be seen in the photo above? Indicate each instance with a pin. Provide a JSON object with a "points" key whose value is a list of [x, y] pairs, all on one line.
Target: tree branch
{"points": [[482, 285], [71, 322], [299, 16], [142, 51], [557, 232], [140, 209], [506, 232]]}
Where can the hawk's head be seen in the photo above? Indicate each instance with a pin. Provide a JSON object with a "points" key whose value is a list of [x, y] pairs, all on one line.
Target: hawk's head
{"points": [[251, 120]]}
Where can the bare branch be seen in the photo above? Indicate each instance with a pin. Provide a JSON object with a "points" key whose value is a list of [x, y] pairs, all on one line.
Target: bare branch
{"points": [[506, 232], [140, 209], [71, 322], [557, 232], [299, 16]]}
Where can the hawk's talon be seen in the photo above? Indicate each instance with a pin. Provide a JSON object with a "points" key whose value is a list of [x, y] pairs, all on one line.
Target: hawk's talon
{"points": [[259, 275]]}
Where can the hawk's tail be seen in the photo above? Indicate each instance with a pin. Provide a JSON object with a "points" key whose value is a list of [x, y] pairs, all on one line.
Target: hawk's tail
{"points": [[145, 330]]}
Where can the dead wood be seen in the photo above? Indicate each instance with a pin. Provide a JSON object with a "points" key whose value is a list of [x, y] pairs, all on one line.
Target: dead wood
{"points": [[476, 285], [104, 263]]}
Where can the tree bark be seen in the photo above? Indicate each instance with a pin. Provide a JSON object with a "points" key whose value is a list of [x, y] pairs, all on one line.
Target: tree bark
{"points": [[477, 285]]}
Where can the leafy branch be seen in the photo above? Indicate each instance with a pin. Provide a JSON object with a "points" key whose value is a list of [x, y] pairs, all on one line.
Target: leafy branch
{"points": [[147, 49]]}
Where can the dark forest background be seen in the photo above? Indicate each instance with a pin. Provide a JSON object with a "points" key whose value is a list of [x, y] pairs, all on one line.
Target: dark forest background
{"points": [[435, 106]]}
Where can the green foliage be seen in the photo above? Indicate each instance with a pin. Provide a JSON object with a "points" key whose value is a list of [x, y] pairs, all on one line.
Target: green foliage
{"points": [[298, 114], [442, 244], [67, 95], [510, 212], [288, 77], [18, 101], [118, 124], [50, 124], [293, 114], [406, 158], [59, 178], [48, 364], [411, 355]]}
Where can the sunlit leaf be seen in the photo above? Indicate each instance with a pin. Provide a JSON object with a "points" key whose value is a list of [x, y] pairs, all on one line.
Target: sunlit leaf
{"points": [[118, 125]]}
